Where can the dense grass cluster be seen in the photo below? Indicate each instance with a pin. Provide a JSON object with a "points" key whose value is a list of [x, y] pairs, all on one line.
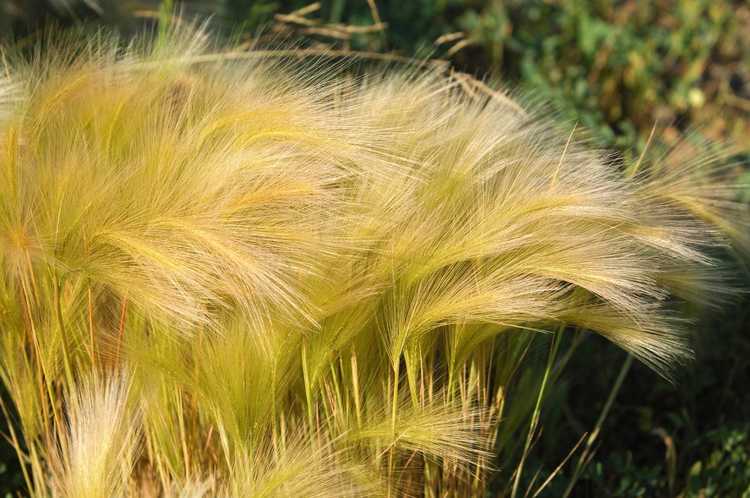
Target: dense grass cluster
{"points": [[229, 274]]}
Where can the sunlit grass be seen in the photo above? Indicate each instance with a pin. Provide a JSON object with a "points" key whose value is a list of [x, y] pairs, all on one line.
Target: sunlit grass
{"points": [[262, 277]]}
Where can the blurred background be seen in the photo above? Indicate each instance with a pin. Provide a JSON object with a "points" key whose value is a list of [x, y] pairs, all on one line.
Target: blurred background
{"points": [[617, 68]]}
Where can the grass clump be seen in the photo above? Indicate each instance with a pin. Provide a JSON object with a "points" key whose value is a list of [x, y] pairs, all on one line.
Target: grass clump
{"points": [[232, 274]]}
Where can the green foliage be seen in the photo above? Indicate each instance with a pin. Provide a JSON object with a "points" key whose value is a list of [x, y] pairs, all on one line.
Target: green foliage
{"points": [[615, 67], [726, 470], [721, 469]]}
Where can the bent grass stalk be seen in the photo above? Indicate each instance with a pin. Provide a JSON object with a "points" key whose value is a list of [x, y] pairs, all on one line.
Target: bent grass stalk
{"points": [[537, 410]]}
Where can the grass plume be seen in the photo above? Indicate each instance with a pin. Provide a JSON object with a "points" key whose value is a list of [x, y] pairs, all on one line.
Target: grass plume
{"points": [[316, 284]]}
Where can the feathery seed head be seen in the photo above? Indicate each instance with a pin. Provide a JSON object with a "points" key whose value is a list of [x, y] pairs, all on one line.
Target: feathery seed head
{"points": [[318, 285]]}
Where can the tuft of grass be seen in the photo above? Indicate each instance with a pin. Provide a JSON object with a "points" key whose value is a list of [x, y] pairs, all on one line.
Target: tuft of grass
{"points": [[315, 284], [99, 446]]}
